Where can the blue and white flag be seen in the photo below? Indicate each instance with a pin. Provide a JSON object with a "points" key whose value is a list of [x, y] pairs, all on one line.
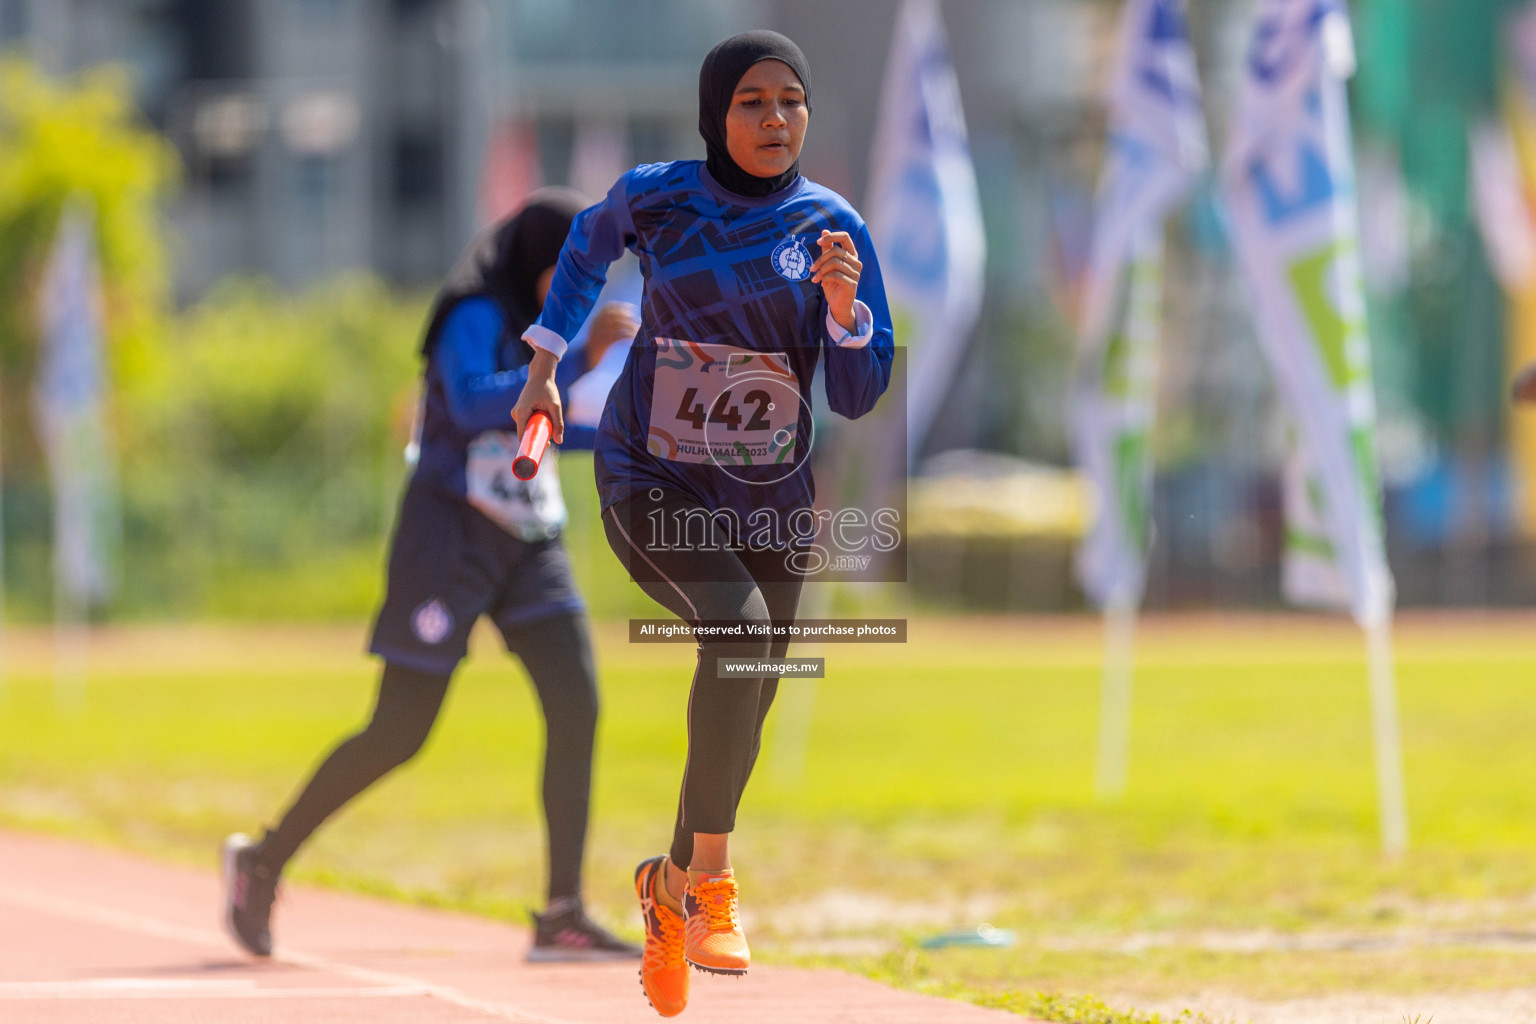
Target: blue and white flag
{"points": [[70, 408], [925, 214], [1156, 151], [1289, 183]]}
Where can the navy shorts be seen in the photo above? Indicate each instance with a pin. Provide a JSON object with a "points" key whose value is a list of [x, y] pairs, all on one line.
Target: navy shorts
{"points": [[449, 565]]}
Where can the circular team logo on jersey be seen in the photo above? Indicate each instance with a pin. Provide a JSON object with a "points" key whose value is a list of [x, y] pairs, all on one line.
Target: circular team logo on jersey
{"points": [[432, 622], [792, 259]]}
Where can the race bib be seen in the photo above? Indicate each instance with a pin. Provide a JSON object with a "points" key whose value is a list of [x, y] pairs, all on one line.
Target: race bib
{"points": [[529, 510], [723, 405]]}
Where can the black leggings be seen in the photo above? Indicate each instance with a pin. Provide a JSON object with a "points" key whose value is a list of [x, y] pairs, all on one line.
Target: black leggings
{"points": [[557, 652], [710, 581]]}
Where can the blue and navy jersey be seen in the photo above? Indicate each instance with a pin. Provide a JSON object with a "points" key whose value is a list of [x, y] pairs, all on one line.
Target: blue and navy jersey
{"points": [[475, 370], [719, 269]]}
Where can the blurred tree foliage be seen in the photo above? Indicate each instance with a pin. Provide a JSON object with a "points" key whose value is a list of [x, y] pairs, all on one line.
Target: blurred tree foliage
{"points": [[260, 432], [59, 140], [261, 438], [262, 451]]}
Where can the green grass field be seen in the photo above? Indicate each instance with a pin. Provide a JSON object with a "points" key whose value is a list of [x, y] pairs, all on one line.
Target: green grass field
{"points": [[944, 783]]}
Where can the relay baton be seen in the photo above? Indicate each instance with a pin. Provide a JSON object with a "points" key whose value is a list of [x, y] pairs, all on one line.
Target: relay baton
{"points": [[530, 450]]}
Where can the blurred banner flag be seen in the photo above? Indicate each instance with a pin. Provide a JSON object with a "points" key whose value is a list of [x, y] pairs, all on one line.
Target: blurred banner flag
{"points": [[1288, 180], [1520, 92], [1289, 183], [511, 169], [1503, 212], [70, 407], [925, 215], [1155, 153], [1504, 196], [599, 155]]}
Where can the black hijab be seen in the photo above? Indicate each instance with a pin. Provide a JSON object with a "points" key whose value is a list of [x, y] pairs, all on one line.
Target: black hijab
{"points": [[722, 70], [504, 262]]}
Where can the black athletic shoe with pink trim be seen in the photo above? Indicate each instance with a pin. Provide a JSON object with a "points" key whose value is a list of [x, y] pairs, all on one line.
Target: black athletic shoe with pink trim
{"points": [[567, 934], [250, 888]]}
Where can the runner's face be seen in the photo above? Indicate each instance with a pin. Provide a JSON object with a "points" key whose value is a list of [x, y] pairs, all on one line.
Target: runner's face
{"points": [[765, 127]]}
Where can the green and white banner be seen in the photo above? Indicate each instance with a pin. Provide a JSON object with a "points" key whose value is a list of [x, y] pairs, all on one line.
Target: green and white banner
{"points": [[1115, 408], [1289, 185], [1155, 151]]}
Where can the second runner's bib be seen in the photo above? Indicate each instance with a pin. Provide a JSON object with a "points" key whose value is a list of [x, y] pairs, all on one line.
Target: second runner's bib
{"points": [[530, 510]]}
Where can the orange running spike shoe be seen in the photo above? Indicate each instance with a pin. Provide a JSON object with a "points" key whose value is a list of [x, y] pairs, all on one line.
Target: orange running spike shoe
{"points": [[663, 972], [714, 940]]}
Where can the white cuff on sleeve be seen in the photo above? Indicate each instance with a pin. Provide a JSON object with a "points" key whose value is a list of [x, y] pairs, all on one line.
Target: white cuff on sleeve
{"points": [[542, 337], [863, 320]]}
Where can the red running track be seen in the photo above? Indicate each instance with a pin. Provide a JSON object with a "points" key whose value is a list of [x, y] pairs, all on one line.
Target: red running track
{"points": [[91, 935]]}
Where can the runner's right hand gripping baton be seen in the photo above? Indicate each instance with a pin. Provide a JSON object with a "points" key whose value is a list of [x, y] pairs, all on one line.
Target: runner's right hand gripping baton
{"points": [[530, 450]]}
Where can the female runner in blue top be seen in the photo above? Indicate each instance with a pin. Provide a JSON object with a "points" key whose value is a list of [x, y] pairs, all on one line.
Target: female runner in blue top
{"points": [[752, 275]]}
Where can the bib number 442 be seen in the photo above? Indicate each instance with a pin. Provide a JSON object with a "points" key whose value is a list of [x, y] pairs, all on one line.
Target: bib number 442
{"points": [[691, 410]]}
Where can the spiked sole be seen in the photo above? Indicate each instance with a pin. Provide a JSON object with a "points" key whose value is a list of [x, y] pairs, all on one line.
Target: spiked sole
{"points": [[653, 1005], [734, 972], [641, 973]]}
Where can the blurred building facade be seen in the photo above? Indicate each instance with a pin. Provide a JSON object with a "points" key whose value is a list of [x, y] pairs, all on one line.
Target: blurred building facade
{"points": [[324, 135], [316, 135]]}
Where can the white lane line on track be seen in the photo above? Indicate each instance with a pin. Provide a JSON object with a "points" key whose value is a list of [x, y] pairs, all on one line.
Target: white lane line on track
{"points": [[91, 914], [178, 988]]}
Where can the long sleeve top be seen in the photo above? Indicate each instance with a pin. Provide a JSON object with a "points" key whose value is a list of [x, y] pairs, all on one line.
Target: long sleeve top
{"points": [[714, 401]]}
